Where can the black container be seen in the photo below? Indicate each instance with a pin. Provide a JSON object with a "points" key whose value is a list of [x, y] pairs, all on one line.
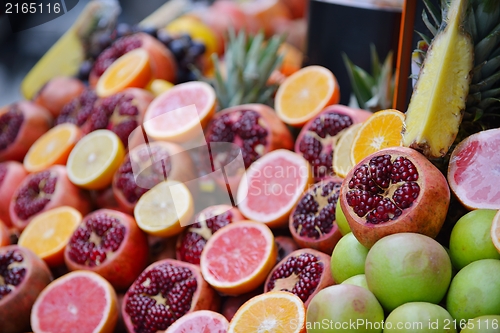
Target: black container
{"points": [[350, 26]]}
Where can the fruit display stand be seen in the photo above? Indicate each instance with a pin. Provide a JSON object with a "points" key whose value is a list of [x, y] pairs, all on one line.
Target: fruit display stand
{"points": [[233, 166]]}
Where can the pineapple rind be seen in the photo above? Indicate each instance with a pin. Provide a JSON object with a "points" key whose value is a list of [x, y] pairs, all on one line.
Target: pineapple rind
{"points": [[439, 98]]}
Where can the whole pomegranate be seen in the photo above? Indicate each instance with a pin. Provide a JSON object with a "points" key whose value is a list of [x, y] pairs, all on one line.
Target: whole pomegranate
{"points": [[254, 128], [22, 277], [21, 125], [191, 242], [162, 60], [58, 92], [303, 272], [145, 166], [312, 222], [165, 291], [316, 140], [407, 267], [394, 190], [42, 191], [111, 244], [12, 174]]}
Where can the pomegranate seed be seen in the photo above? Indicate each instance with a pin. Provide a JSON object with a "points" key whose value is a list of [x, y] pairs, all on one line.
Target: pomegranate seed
{"points": [[192, 243], [306, 267], [79, 109], [11, 276], [172, 288], [370, 185], [83, 247], [35, 194], [10, 123], [116, 50], [245, 129]]}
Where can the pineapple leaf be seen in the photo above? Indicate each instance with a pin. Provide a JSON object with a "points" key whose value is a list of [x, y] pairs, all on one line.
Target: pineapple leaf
{"points": [[491, 93], [361, 82], [375, 61], [434, 12], [486, 15], [491, 66], [428, 24], [487, 102], [425, 38], [384, 83], [484, 48]]}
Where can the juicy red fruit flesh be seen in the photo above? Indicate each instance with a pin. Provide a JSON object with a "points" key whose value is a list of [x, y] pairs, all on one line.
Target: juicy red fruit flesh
{"points": [[309, 218], [3, 173], [176, 285], [305, 268], [116, 50], [371, 186], [193, 242], [246, 131], [79, 109], [92, 241], [11, 275], [313, 150], [119, 107], [10, 123], [35, 195], [152, 176]]}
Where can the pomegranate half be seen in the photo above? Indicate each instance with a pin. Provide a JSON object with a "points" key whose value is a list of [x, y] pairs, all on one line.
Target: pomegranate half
{"points": [[391, 191], [12, 174]]}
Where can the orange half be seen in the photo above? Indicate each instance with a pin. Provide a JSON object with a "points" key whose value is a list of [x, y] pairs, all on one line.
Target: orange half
{"points": [[275, 311], [52, 148], [305, 93], [381, 130], [133, 69], [49, 232]]}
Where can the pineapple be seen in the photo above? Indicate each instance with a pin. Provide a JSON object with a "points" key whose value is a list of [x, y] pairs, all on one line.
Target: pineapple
{"points": [[458, 88], [243, 75], [372, 92]]}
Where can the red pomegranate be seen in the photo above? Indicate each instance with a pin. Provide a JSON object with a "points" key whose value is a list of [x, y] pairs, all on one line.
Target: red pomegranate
{"points": [[162, 60], [79, 109], [192, 241], [317, 138], [303, 272], [121, 113], [111, 244], [164, 292], [391, 191], [4, 235], [12, 174], [145, 166], [22, 277], [254, 128], [312, 222], [42, 191], [285, 245], [58, 92], [22, 124]]}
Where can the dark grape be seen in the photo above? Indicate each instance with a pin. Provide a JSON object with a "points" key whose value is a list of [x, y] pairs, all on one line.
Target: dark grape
{"points": [[84, 70], [123, 29], [164, 37]]}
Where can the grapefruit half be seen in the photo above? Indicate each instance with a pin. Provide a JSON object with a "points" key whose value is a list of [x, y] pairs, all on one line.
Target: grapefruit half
{"points": [[272, 186]]}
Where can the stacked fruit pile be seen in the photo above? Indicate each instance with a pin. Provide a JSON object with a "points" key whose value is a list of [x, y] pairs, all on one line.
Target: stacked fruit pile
{"points": [[249, 200]]}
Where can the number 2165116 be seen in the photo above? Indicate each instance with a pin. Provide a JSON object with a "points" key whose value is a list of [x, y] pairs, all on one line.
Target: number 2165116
{"points": [[32, 8]]}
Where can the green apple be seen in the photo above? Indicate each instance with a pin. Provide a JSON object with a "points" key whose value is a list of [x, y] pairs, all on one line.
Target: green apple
{"points": [[419, 317], [348, 258]]}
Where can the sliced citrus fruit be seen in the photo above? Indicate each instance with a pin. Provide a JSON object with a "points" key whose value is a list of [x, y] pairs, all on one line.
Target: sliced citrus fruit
{"points": [[238, 257], [275, 311], [133, 69], [159, 86], [495, 231], [202, 321], [272, 186], [382, 130], [165, 209], [94, 160], [305, 93], [49, 232], [52, 148], [342, 162], [80, 301], [166, 119]]}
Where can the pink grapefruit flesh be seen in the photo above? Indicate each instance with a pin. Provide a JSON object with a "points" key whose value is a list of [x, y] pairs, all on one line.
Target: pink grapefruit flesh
{"points": [[473, 170], [77, 302], [273, 185], [203, 321], [238, 257]]}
